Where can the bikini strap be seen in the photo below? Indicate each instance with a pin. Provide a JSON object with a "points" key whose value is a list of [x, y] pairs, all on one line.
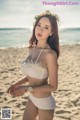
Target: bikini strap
{"points": [[39, 55]]}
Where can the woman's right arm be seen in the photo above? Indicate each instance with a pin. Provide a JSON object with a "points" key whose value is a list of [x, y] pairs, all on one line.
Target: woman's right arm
{"points": [[22, 81], [17, 84]]}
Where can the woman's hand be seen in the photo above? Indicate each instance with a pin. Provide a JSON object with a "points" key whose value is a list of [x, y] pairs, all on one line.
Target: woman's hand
{"points": [[11, 88], [18, 91]]}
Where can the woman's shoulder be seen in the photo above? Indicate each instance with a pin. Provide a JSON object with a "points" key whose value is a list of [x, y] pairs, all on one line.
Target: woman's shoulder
{"points": [[30, 48], [50, 57], [50, 52]]}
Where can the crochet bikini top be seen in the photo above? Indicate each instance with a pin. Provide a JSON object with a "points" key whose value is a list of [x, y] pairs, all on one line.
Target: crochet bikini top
{"points": [[33, 67]]}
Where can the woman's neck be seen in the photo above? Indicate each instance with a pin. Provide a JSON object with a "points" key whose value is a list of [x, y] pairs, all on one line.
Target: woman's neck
{"points": [[41, 44]]}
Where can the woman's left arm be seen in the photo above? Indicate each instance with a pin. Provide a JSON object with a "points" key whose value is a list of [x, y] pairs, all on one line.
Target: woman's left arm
{"points": [[51, 61]]}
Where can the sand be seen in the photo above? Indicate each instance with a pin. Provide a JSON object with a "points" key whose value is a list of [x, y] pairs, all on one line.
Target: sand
{"points": [[67, 95]]}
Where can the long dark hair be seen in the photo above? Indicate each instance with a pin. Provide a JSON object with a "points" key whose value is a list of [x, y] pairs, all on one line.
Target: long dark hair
{"points": [[53, 40]]}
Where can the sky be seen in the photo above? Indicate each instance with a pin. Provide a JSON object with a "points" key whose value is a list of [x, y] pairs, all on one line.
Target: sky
{"points": [[21, 13]]}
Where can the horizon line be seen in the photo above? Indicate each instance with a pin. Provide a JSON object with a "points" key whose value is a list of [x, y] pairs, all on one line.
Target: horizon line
{"points": [[32, 28]]}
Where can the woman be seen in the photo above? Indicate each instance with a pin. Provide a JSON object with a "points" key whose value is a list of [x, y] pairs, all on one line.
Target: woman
{"points": [[41, 69]]}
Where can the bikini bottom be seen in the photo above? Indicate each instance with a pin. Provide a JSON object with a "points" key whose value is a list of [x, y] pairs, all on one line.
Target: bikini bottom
{"points": [[47, 103]]}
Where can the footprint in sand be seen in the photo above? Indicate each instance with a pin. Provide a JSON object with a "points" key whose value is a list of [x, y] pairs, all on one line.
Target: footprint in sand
{"points": [[6, 107], [12, 101], [5, 99], [24, 103], [6, 83], [18, 105], [22, 109], [1, 93], [17, 116], [62, 111], [76, 102], [11, 69], [1, 101], [25, 98], [65, 118], [5, 77]]}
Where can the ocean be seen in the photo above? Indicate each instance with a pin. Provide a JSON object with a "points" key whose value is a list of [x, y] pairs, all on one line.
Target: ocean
{"points": [[14, 37], [19, 37]]}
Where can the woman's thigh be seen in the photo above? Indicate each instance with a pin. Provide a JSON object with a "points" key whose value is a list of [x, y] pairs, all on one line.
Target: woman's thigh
{"points": [[45, 114], [30, 112]]}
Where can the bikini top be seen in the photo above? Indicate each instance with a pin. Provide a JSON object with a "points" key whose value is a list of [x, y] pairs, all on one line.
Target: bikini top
{"points": [[33, 68]]}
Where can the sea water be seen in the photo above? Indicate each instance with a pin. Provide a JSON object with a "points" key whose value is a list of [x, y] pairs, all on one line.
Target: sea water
{"points": [[18, 37]]}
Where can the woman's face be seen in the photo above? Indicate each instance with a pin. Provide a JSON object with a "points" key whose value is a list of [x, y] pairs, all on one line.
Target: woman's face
{"points": [[43, 29]]}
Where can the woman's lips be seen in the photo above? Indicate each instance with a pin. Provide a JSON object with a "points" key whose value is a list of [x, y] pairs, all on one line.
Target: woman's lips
{"points": [[39, 35]]}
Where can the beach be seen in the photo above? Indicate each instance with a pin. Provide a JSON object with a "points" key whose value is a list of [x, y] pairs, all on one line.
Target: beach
{"points": [[67, 95]]}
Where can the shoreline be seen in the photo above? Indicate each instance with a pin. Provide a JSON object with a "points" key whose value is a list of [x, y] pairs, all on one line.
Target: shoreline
{"points": [[25, 46]]}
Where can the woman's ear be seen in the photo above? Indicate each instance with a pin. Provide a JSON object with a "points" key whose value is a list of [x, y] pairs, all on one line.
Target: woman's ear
{"points": [[51, 34]]}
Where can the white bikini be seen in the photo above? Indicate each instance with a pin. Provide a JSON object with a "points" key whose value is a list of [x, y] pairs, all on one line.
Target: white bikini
{"points": [[36, 70]]}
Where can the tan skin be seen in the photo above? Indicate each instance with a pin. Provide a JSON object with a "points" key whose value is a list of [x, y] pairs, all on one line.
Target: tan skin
{"points": [[41, 88]]}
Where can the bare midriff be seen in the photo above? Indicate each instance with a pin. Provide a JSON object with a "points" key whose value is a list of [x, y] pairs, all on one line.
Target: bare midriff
{"points": [[39, 82]]}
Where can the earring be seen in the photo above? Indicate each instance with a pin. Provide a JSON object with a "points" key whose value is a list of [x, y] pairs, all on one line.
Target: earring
{"points": [[50, 35]]}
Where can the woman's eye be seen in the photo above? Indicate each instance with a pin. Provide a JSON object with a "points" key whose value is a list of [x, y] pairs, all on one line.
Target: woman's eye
{"points": [[46, 27], [38, 25], [42, 27]]}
